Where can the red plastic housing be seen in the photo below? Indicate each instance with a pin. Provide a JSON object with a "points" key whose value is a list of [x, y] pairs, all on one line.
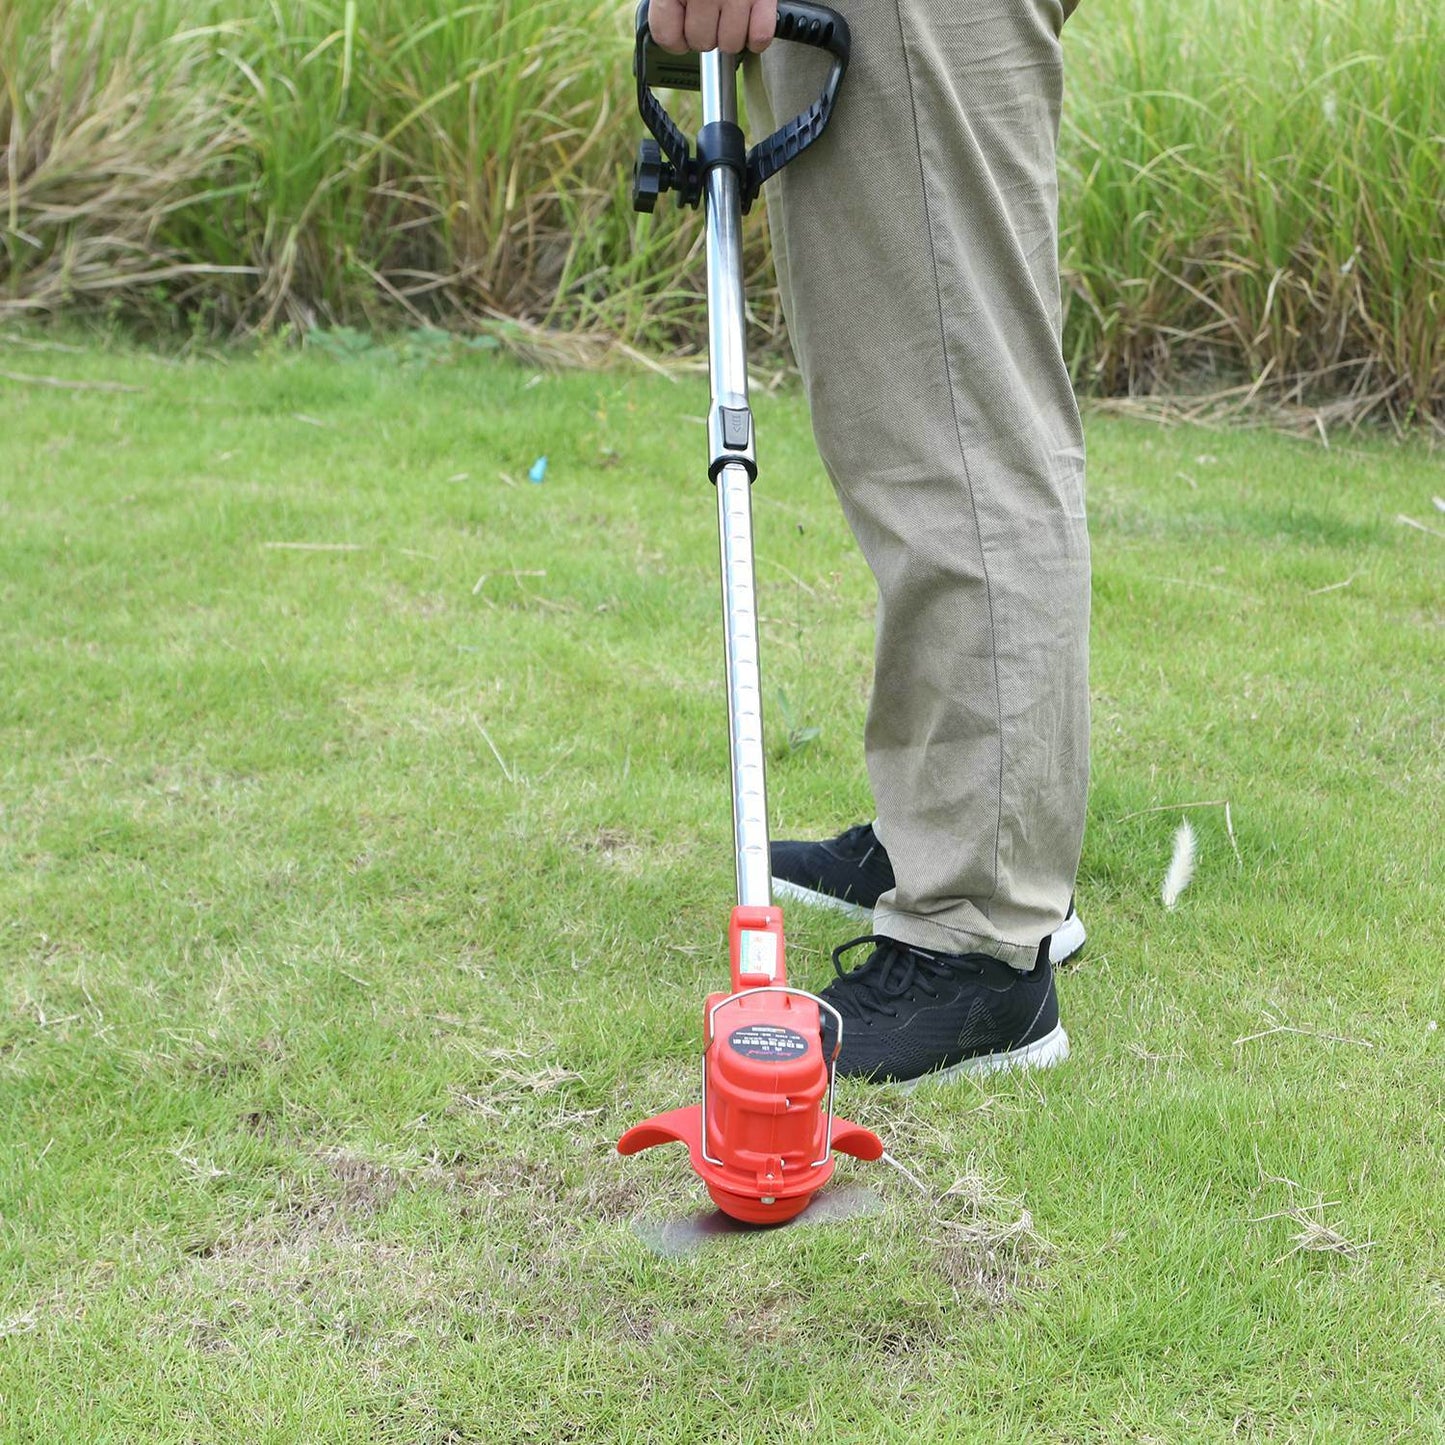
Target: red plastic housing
{"points": [[762, 1140]]}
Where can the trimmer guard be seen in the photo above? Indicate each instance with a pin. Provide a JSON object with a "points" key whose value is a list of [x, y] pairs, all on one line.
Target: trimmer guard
{"points": [[684, 1126]]}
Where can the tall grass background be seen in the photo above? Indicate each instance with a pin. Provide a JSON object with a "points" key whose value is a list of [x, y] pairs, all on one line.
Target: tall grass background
{"points": [[1253, 191]]}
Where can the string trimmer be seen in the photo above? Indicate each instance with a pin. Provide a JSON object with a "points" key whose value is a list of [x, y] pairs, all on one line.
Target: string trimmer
{"points": [[764, 1136]]}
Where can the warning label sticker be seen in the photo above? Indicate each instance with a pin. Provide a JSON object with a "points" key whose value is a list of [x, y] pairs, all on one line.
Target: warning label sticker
{"points": [[759, 953], [770, 1043]]}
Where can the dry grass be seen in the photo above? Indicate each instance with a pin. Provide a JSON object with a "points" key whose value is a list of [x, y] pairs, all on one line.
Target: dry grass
{"points": [[108, 138], [1250, 196], [1317, 1237]]}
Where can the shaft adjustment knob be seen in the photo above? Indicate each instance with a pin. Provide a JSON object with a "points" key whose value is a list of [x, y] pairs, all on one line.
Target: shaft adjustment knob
{"points": [[651, 175]]}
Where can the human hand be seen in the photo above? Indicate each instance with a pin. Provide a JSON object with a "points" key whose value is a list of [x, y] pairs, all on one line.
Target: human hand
{"points": [[729, 25]]}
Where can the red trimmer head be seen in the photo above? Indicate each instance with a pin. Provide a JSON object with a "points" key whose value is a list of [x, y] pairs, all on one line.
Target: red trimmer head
{"points": [[764, 1136]]}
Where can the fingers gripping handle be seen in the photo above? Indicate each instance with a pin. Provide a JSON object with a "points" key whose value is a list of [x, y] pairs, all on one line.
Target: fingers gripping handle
{"points": [[673, 166]]}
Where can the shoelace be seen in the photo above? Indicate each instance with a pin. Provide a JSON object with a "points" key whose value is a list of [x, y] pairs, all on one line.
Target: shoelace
{"points": [[892, 970]]}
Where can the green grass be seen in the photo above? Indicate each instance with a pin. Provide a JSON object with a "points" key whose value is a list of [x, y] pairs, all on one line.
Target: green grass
{"points": [[1251, 190], [355, 900]]}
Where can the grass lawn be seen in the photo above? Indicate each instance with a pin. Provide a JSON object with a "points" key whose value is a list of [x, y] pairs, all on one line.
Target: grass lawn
{"points": [[365, 861]]}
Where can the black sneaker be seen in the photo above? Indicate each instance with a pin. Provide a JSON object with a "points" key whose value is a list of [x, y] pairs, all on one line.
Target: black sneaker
{"points": [[909, 1014], [851, 872]]}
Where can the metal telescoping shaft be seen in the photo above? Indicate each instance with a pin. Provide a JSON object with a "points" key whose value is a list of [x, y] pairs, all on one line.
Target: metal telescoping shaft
{"points": [[727, 356]]}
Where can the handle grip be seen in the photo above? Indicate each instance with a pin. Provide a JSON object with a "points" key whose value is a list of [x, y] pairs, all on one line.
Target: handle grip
{"points": [[816, 25], [805, 23], [800, 21]]}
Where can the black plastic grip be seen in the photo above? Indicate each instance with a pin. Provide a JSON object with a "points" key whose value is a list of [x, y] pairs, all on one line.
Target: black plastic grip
{"points": [[814, 25], [799, 21], [824, 29], [677, 71]]}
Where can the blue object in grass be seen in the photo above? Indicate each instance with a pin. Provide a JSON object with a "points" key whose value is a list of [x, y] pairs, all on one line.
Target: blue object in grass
{"points": [[539, 470]]}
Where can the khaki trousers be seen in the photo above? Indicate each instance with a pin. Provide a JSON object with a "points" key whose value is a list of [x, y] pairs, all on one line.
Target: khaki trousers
{"points": [[917, 251]]}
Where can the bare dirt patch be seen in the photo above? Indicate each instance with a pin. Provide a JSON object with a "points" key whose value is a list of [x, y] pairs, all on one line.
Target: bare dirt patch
{"points": [[615, 847]]}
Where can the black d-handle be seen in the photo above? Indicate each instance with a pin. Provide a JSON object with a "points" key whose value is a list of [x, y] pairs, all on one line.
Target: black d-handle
{"points": [[799, 21], [824, 29], [815, 25]]}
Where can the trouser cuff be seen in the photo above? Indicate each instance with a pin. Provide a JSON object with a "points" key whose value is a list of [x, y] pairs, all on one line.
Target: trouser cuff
{"points": [[939, 937]]}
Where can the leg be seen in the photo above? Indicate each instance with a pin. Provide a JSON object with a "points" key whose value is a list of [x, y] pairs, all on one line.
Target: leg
{"points": [[917, 251]]}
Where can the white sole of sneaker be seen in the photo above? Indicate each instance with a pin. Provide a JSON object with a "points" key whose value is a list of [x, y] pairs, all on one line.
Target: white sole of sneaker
{"points": [[1067, 940], [1043, 1053], [1065, 943], [795, 891]]}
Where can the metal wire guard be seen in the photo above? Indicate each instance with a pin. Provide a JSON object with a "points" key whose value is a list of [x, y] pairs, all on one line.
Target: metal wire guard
{"points": [[712, 1014]]}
